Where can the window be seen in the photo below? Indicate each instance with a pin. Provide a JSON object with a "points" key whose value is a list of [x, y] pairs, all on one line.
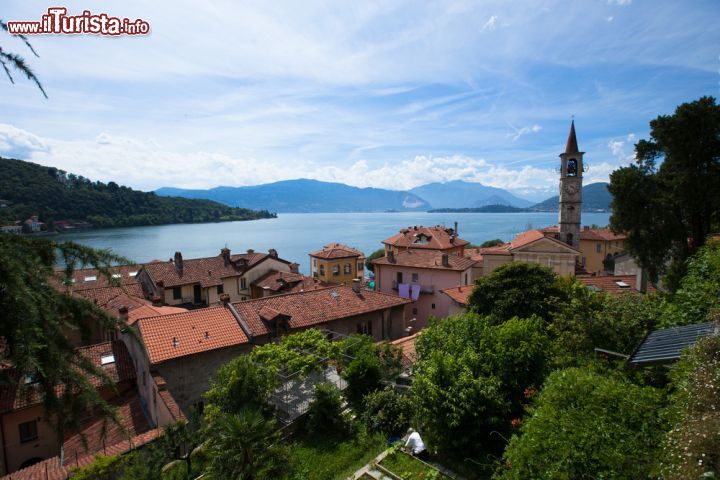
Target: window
{"points": [[348, 269], [243, 298], [107, 359], [572, 168], [243, 283], [336, 270], [220, 289], [466, 279], [433, 306], [582, 262], [28, 431], [314, 262], [415, 277], [414, 310], [177, 293], [132, 274], [198, 408], [322, 270], [598, 247], [399, 277]]}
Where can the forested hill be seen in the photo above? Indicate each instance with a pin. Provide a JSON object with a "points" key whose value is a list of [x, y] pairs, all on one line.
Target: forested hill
{"points": [[30, 189], [595, 198]]}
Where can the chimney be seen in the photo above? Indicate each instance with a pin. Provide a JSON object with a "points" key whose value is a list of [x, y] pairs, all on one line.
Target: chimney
{"points": [[294, 268], [641, 281], [123, 313], [586, 227], [273, 253], [250, 250], [445, 260], [266, 292], [356, 285], [178, 263], [391, 255], [225, 253], [455, 229], [224, 298]]}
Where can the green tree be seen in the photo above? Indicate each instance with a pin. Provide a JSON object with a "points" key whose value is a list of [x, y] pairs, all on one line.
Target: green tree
{"points": [[9, 59], [387, 412], [241, 383], [584, 425], [669, 201], [363, 374], [324, 415], [379, 253], [35, 321], [245, 446], [516, 290], [491, 243], [471, 376], [692, 447]]}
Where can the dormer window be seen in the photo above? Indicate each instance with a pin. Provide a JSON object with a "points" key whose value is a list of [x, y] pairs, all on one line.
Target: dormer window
{"points": [[621, 284], [91, 278], [107, 359]]}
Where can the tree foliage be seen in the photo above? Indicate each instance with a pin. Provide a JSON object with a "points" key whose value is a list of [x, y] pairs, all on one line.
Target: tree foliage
{"points": [[516, 290], [470, 379], [669, 200], [13, 60], [692, 448], [325, 415], [387, 412], [584, 425], [379, 253], [53, 194], [240, 384], [36, 320]]}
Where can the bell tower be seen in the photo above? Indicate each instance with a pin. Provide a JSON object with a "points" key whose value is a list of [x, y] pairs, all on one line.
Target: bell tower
{"points": [[571, 170]]}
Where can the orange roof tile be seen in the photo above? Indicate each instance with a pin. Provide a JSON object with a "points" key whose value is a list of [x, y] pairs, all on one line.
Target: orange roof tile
{"points": [[144, 311], [427, 259], [337, 250], [181, 334], [315, 307], [609, 284], [85, 278], [529, 236], [460, 293], [428, 238], [287, 282], [407, 345]]}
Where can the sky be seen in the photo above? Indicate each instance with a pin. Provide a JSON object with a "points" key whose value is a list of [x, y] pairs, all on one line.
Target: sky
{"points": [[389, 94]]}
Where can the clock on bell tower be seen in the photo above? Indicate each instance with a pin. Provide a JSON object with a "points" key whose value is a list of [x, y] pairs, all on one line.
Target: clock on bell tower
{"points": [[571, 170]]}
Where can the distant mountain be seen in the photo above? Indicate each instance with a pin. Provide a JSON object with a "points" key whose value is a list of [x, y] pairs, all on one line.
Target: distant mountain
{"points": [[307, 196], [595, 198], [460, 194], [31, 189], [485, 209]]}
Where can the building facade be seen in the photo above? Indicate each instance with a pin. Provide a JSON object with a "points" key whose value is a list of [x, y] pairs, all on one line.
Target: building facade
{"points": [[337, 263]]}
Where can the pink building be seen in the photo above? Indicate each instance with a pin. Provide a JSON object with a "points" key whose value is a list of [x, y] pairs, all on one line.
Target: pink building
{"points": [[421, 276]]}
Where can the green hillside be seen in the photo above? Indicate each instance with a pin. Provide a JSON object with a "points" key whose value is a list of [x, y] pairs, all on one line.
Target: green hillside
{"points": [[52, 194]]}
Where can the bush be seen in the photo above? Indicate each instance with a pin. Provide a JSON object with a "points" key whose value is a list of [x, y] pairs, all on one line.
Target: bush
{"points": [[105, 467], [363, 375], [325, 412], [387, 412]]}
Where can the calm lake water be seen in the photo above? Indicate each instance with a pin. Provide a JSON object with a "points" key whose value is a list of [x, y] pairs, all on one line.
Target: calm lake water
{"points": [[296, 235]]}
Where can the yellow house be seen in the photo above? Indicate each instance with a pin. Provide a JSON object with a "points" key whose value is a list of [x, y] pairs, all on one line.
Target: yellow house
{"points": [[597, 246], [337, 263]]}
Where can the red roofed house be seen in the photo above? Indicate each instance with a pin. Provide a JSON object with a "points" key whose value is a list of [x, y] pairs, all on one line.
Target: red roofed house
{"points": [[337, 263], [421, 275], [599, 247], [459, 296], [28, 439], [186, 349], [436, 238], [201, 281], [275, 283]]}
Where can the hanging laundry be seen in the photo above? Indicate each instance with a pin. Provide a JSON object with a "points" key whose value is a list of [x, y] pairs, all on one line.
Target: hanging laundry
{"points": [[415, 291], [404, 290]]}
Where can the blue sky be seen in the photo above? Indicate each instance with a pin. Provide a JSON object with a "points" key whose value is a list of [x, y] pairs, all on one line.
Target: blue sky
{"points": [[390, 94]]}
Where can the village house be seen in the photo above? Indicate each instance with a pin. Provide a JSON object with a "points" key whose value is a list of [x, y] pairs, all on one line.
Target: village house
{"points": [[421, 275], [33, 225], [437, 238], [276, 283], [186, 349], [29, 443], [337, 263], [599, 248], [201, 281], [11, 229], [459, 298]]}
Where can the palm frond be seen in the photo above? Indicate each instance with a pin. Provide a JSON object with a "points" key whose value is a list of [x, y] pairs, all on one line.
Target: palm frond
{"points": [[19, 64]]}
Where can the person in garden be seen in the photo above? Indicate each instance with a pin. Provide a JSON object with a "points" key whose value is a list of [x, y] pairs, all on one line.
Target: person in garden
{"points": [[416, 445]]}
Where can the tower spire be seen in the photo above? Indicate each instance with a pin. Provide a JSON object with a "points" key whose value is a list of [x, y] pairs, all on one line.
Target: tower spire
{"points": [[572, 146]]}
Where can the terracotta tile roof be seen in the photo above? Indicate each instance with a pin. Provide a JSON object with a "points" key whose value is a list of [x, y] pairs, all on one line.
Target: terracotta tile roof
{"points": [[337, 250], [112, 298], [460, 293], [144, 311], [207, 271], [427, 259], [428, 238], [601, 234], [529, 236], [287, 282], [315, 307], [609, 284], [119, 368], [407, 345], [85, 278], [194, 331]]}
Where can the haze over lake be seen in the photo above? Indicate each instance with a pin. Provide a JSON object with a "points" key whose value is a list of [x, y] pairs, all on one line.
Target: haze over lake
{"points": [[296, 235]]}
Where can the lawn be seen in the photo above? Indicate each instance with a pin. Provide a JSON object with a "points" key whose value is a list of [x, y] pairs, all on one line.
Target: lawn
{"points": [[332, 457], [409, 468]]}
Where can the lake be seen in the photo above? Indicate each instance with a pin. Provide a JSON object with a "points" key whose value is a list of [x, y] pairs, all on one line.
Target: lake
{"points": [[294, 235]]}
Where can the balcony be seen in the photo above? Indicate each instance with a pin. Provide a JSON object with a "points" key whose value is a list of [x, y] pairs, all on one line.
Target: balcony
{"points": [[430, 289]]}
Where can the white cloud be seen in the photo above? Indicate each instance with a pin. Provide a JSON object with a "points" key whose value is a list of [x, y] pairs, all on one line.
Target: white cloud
{"points": [[610, 18], [18, 143], [519, 132], [491, 24], [623, 150], [621, 3]]}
